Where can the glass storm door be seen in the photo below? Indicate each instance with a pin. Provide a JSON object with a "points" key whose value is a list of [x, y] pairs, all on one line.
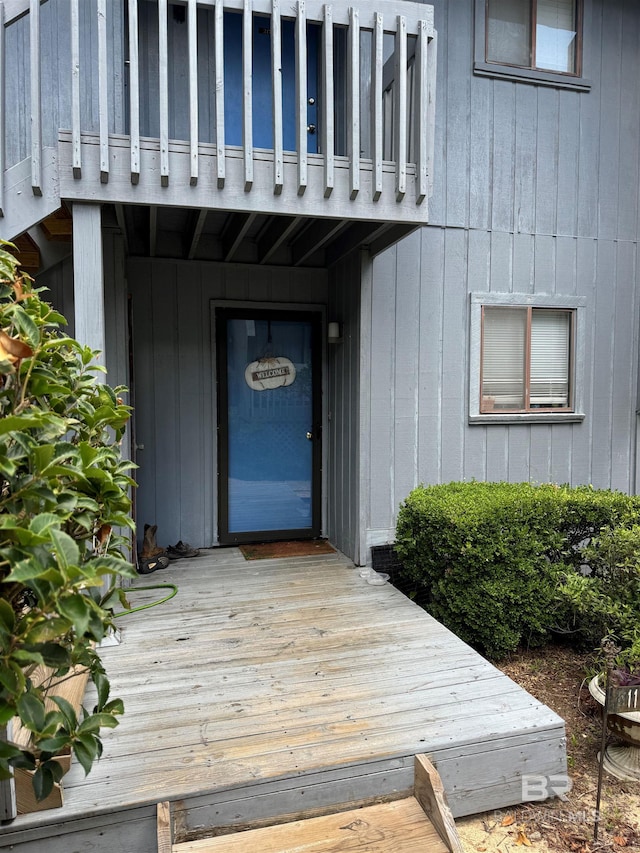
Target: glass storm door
{"points": [[269, 422]]}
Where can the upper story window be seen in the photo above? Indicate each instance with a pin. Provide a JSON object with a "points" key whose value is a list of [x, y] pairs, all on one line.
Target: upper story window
{"points": [[535, 40]]}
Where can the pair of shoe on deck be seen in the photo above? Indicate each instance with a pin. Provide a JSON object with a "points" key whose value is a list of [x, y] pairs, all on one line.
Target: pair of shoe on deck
{"points": [[153, 557]]}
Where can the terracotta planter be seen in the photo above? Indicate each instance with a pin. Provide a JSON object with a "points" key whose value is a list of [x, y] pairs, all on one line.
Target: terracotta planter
{"points": [[622, 761]]}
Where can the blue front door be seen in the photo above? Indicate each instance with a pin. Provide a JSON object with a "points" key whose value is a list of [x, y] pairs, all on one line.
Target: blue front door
{"points": [[261, 83], [269, 425]]}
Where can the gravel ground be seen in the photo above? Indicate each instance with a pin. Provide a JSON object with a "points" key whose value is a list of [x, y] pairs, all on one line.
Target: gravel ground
{"points": [[556, 676]]}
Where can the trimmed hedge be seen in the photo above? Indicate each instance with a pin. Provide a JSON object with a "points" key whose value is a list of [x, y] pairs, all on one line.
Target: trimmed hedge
{"points": [[488, 559]]}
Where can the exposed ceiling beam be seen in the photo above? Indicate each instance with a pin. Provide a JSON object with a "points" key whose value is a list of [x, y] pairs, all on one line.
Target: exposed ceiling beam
{"points": [[274, 235], [27, 253], [358, 234], [313, 238], [153, 230], [234, 233], [51, 253], [122, 225], [194, 232], [389, 238]]}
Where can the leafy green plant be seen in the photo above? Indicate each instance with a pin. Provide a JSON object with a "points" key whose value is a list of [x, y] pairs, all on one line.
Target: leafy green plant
{"points": [[498, 563], [63, 497]]}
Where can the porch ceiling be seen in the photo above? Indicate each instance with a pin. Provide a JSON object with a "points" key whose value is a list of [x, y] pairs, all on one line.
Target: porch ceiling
{"points": [[253, 238]]}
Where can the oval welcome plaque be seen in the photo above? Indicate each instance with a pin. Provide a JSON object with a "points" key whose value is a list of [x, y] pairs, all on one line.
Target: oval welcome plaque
{"points": [[270, 372]]}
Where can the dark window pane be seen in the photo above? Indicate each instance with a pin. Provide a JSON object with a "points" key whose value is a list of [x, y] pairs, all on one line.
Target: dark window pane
{"points": [[509, 32]]}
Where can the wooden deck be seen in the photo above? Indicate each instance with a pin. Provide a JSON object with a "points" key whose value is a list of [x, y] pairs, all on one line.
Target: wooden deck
{"points": [[281, 687]]}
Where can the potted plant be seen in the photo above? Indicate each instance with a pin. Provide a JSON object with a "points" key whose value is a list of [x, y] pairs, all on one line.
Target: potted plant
{"points": [[63, 497]]}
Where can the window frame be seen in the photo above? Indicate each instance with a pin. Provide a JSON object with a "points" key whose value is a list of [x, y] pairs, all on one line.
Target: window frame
{"points": [[574, 304], [563, 80]]}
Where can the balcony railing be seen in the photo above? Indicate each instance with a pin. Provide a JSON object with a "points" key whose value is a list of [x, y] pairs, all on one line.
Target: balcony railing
{"points": [[303, 108]]}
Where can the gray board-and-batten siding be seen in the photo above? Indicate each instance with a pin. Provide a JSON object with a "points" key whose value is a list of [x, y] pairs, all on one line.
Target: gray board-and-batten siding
{"points": [[173, 385], [536, 191]]}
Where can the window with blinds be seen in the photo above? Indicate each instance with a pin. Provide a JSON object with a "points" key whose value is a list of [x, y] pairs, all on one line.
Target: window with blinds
{"points": [[538, 34], [526, 359]]}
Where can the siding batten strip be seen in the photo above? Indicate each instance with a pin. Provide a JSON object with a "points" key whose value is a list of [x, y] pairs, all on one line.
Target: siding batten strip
{"points": [[247, 93], [103, 92], [134, 92], [76, 142], [328, 140], [421, 119], [193, 89], [3, 156], [36, 125], [276, 89], [163, 75], [353, 101], [401, 111], [219, 59], [377, 105], [301, 95]]}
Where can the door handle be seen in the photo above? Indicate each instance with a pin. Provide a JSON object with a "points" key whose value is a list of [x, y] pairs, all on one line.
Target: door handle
{"points": [[311, 128], [310, 436]]}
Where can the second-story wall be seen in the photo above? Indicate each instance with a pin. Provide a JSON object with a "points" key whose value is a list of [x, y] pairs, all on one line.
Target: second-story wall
{"points": [[536, 192], [56, 68]]}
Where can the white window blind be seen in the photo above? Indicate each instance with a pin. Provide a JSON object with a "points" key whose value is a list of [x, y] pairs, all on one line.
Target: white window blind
{"points": [[556, 35], [503, 358], [550, 340], [526, 358]]}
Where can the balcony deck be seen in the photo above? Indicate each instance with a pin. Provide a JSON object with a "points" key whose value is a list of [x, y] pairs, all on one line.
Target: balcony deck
{"points": [[283, 686], [305, 111]]}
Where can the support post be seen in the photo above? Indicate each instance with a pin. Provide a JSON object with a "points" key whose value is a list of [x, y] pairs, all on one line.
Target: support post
{"points": [[88, 278]]}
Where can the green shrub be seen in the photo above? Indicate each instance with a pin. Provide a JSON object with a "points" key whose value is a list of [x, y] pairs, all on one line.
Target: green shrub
{"points": [[63, 495], [489, 559]]}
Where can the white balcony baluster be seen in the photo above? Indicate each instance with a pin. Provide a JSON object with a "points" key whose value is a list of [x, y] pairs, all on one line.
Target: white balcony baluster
{"points": [[163, 73], [400, 113], [247, 94], [192, 12], [276, 87], [103, 91], [134, 92], [219, 61], [377, 105], [301, 96], [75, 90], [328, 132], [353, 102], [36, 106]]}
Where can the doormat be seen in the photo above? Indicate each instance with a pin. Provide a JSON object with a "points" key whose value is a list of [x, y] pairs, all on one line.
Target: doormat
{"points": [[271, 550]]}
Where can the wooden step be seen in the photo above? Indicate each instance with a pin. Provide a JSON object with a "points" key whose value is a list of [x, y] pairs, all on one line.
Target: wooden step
{"points": [[400, 826], [419, 824]]}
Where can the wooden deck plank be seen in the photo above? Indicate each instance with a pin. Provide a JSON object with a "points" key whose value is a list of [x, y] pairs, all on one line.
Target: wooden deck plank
{"points": [[264, 673], [400, 826]]}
